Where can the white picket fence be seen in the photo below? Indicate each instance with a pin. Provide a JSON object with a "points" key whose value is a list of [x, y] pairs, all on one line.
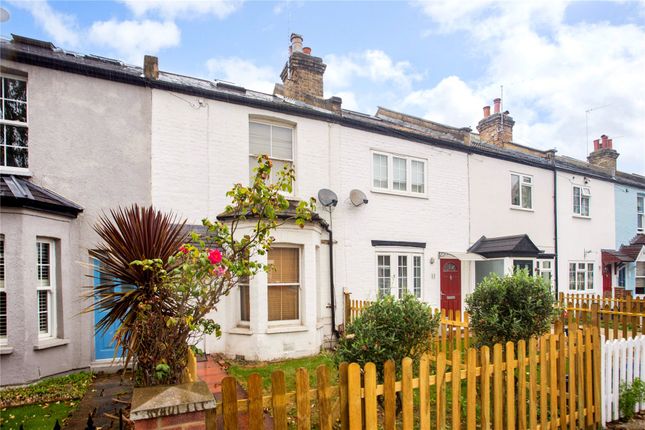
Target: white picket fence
{"points": [[621, 361]]}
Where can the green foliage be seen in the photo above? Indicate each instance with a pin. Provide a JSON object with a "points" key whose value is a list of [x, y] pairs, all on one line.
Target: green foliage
{"points": [[68, 387], [510, 308], [629, 396], [173, 285], [388, 329]]}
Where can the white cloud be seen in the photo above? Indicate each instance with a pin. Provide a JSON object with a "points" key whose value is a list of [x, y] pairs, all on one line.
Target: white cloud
{"points": [[349, 100], [62, 28], [184, 9], [133, 39], [283, 5], [242, 72], [375, 65], [551, 72]]}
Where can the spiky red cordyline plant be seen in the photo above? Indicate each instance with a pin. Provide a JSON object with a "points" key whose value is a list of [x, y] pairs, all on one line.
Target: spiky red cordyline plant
{"points": [[131, 234]]}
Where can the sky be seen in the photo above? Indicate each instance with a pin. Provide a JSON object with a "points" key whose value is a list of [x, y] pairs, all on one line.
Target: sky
{"points": [[568, 71]]}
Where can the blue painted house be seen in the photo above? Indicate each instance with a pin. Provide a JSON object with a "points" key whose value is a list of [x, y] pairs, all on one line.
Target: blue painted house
{"points": [[629, 257]]}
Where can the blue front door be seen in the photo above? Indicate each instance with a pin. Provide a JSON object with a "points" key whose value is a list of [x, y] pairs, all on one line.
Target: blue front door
{"points": [[103, 344]]}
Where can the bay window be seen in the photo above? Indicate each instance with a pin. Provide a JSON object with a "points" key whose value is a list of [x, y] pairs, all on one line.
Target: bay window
{"points": [[283, 289], [46, 288], [544, 268], [3, 297]]}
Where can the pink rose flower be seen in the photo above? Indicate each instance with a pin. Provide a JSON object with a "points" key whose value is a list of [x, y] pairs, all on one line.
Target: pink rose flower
{"points": [[183, 249], [214, 256], [219, 271]]}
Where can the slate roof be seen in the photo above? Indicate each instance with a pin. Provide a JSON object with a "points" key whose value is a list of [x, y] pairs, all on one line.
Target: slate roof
{"points": [[16, 191], [611, 256], [505, 246], [45, 54]]}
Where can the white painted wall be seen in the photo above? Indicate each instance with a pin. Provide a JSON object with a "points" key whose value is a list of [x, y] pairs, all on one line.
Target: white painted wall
{"points": [[89, 142], [577, 235]]}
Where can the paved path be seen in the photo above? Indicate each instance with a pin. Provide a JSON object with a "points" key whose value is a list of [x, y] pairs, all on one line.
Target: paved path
{"points": [[213, 372]]}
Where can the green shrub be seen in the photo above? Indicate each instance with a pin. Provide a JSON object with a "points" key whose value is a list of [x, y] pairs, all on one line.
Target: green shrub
{"points": [[388, 329], [510, 308], [629, 396]]}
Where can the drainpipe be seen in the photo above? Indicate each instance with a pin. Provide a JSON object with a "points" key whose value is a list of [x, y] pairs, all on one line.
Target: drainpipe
{"points": [[334, 331], [555, 223]]}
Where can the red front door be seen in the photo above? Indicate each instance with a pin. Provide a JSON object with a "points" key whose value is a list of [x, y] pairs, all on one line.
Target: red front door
{"points": [[450, 284], [606, 280]]}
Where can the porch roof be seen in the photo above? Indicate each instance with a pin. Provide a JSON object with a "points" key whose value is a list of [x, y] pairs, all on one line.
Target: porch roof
{"points": [[16, 191], [506, 246]]}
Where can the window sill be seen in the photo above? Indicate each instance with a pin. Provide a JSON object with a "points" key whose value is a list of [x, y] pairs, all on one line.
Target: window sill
{"points": [[50, 343], [400, 193], [581, 216], [287, 329], [6, 349], [517, 208], [246, 331], [18, 171]]}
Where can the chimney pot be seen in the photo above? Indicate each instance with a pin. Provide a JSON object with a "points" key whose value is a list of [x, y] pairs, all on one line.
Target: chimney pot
{"points": [[610, 143], [150, 67], [497, 103], [296, 42], [486, 111], [306, 50], [604, 140], [596, 144]]}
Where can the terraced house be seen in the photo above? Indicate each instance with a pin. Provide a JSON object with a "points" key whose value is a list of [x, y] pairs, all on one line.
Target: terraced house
{"points": [[419, 206]]}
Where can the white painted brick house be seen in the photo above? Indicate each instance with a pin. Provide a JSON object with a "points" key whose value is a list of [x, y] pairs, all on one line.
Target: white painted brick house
{"points": [[445, 206]]}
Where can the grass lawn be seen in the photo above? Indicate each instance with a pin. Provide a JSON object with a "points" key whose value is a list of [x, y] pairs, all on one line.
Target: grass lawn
{"points": [[36, 417], [242, 370], [38, 406]]}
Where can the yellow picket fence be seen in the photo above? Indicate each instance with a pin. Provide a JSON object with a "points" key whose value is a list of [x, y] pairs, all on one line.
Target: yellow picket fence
{"points": [[617, 318], [548, 383]]}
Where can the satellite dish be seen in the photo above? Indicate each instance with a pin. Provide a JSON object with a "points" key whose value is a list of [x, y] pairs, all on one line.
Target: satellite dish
{"points": [[4, 14], [327, 198], [357, 197]]}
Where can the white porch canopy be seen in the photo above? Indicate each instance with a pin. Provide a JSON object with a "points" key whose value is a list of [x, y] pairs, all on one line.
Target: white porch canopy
{"points": [[463, 256]]}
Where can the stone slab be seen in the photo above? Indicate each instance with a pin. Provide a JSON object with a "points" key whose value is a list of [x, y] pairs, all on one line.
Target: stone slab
{"points": [[166, 400]]}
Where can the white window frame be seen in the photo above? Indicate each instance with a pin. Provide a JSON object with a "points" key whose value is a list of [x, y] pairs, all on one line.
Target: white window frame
{"points": [[278, 323], [3, 291], [50, 290], [253, 157], [637, 277], [582, 267], [390, 174], [524, 181], [585, 193], [395, 280], [640, 213], [540, 269], [240, 321], [12, 169]]}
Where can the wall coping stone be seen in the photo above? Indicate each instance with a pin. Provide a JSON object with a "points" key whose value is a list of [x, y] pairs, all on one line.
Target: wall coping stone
{"points": [[166, 400]]}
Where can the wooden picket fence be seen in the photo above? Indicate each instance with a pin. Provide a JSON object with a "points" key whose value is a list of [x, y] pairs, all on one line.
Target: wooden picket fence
{"points": [[555, 383], [623, 360], [617, 318]]}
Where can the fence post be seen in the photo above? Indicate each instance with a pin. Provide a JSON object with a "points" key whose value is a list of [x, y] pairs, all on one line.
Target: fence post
{"points": [[595, 321], [344, 396], [347, 308]]}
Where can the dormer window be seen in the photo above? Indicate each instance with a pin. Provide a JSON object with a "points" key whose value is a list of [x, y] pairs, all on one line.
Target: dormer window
{"points": [[581, 201], [13, 121]]}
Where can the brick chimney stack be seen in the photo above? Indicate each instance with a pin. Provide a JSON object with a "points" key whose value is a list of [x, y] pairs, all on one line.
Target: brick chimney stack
{"points": [[302, 77], [496, 128], [150, 67], [604, 155]]}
